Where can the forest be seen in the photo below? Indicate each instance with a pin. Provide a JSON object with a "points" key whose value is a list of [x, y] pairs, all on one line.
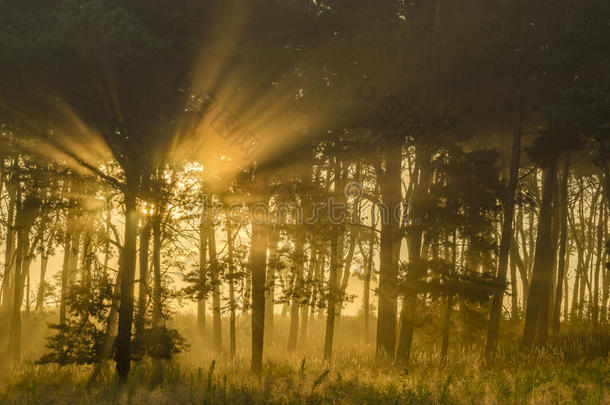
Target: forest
{"points": [[304, 201]]}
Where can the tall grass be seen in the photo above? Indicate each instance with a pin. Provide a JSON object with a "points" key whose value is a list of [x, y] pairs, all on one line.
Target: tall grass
{"points": [[572, 369]]}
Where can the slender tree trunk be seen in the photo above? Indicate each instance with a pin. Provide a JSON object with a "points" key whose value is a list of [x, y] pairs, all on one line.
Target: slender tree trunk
{"points": [[368, 272], [15, 326], [514, 307], [258, 269], [347, 266], [270, 284], [449, 308], [606, 274], [336, 259], [143, 282], [521, 266], [308, 302], [390, 184], [414, 244], [44, 261], [297, 291], [216, 305], [598, 264], [231, 276], [332, 296], [507, 232], [9, 256], [566, 307], [23, 223], [111, 330], [575, 304], [203, 243], [127, 275], [446, 330], [537, 312], [157, 298], [563, 237], [65, 270]]}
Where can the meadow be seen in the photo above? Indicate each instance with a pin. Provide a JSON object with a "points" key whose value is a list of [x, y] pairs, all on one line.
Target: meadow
{"points": [[572, 369]]}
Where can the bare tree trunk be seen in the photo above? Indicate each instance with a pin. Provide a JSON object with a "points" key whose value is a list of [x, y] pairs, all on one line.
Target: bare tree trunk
{"points": [[203, 243], [345, 279], [215, 269], [231, 275], [449, 308], [390, 183], [143, 282], [566, 307], [307, 301], [127, 275], [507, 232], [270, 284], [537, 312], [65, 270], [336, 259], [258, 268], [14, 343], [44, 261], [157, 298], [368, 272], [297, 291], [563, 237], [598, 264], [10, 254], [521, 266], [23, 222], [414, 244], [514, 307]]}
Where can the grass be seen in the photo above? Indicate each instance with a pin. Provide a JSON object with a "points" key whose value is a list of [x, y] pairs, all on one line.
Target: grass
{"points": [[554, 376]]}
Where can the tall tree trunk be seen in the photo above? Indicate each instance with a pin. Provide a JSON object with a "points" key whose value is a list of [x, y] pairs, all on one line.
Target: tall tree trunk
{"points": [[563, 237], [566, 307], [449, 307], [110, 332], [157, 313], [231, 276], [297, 291], [368, 272], [417, 269], [44, 261], [216, 305], [598, 264], [507, 232], [307, 301], [9, 256], [24, 220], [127, 274], [14, 343], [143, 282], [522, 267], [65, 270], [203, 243], [537, 312], [514, 307], [273, 240], [390, 182], [347, 266], [336, 258], [258, 268]]}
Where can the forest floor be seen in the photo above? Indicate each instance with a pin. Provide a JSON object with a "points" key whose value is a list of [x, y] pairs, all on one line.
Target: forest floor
{"points": [[199, 376]]}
